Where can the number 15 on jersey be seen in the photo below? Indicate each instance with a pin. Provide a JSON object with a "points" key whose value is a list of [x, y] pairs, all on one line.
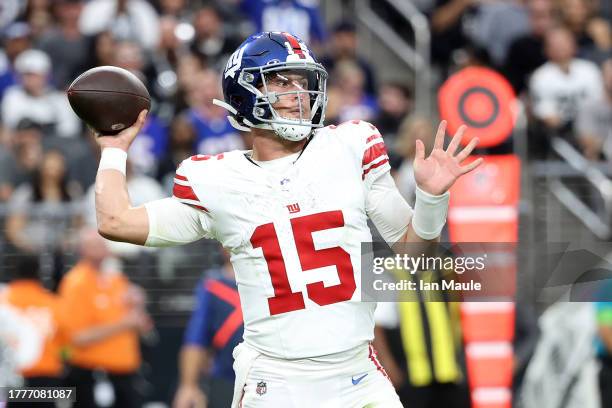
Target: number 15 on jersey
{"points": [[284, 300]]}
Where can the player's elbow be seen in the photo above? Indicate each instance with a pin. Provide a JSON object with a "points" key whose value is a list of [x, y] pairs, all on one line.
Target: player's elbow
{"points": [[127, 226], [110, 228]]}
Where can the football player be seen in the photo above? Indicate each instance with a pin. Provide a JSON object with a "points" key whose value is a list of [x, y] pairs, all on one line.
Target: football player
{"points": [[293, 214]]}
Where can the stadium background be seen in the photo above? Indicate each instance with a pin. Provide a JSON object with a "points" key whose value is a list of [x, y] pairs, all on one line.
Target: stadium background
{"points": [[387, 60]]}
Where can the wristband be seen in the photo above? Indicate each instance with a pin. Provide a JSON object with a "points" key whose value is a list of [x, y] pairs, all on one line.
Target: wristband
{"points": [[429, 214], [113, 158]]}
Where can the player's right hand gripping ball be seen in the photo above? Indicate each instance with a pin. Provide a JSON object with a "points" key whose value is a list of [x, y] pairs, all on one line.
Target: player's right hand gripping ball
{"points": [[108, 99]]}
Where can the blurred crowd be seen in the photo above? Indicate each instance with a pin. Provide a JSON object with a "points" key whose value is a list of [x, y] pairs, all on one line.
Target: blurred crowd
{"points": [[556, 54]]}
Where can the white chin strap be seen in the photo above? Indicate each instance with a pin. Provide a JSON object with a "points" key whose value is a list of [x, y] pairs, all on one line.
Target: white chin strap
{"points": [[291, 132]]}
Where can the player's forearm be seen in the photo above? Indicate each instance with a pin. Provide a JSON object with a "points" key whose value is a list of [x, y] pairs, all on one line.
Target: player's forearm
{"points": [[192, 361], [112, 200], [116, 218]]}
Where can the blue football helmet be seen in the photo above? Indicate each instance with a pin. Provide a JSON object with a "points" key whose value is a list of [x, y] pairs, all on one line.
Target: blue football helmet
{"points": [[247, 77]]}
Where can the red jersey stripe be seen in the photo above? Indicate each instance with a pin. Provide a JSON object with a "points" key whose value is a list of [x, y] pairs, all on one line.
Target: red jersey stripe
{"points": [[198, 207], [184, 192], [376, 136], [373, 153], [187, 194], [372, 355], [380, 163]]}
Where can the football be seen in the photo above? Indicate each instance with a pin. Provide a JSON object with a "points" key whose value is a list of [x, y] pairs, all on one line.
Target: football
{"points": [[108, 99]]}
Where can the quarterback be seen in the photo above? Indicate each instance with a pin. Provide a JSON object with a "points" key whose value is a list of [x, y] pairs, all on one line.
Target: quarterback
{"points": [[293, 213]]}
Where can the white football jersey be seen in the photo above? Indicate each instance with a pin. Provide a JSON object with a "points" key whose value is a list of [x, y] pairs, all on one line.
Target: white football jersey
{"points": [[294, 238]]}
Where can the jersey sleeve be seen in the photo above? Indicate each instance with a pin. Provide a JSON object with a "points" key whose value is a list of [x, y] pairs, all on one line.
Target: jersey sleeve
{"points": [[179, 219], [183, 190], [385, 206], [372, 152], [387, 209]]}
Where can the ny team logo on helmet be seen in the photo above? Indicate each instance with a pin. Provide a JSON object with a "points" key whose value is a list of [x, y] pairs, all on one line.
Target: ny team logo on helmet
{"points": [[246, 81]]}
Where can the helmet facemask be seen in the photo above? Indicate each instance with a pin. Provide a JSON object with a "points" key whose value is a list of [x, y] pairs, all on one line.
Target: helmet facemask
{"points": [[305, 83]]}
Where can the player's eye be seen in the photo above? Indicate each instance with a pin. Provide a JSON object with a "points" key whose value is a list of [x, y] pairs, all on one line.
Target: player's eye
{"points": [[302, 83], [278, 80]]}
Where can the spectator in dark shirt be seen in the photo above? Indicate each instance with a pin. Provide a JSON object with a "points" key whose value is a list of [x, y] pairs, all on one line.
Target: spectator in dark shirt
{"points": [[447, 28], [497, 24], [103, 49], [604, 8], [18, 164], [67, 47], [180, 146], [187, 67], [39, 17], [163, 64], [527, 53], [593, 33], [343, 47], [395, 103], [210, 42]]}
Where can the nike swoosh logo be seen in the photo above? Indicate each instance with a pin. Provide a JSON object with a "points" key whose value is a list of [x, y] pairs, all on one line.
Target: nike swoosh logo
{"points": [[357, 380]]}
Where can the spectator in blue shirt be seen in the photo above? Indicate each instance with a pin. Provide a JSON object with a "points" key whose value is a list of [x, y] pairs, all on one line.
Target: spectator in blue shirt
{"points": [[150, 146], [299, 17], [215, 328]]}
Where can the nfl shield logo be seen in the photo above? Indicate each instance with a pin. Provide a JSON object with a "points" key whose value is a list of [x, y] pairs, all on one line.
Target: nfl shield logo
{"points": [[261, 388]]}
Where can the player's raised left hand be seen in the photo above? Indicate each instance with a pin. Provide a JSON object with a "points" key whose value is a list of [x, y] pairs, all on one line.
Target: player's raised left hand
{"points": [[438, 172]]}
